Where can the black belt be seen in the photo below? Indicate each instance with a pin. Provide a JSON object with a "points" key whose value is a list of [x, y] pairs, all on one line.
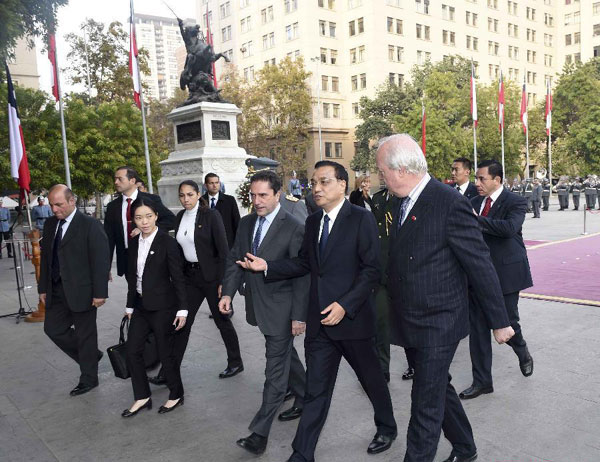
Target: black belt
{"points": [[192, 265]]}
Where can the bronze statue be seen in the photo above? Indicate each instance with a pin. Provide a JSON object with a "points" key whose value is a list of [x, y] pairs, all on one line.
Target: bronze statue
{"points": [[197, 73]]}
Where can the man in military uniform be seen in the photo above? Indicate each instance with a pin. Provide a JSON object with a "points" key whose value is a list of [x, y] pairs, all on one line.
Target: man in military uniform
{"points": [[576, 188], [5, 229], [40, 213], [293, 205], [562, 189], [590, 192], [528, 193], [545, 194], [536, 198], [516, 186]]}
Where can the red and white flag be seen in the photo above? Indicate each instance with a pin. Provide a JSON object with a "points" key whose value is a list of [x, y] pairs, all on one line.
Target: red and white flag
{"points": [[473, 95], [18, 155], [52, 58], [524, 106], [133, 60], [423, 128], [209, 41], [501, 102], [548, 115]]}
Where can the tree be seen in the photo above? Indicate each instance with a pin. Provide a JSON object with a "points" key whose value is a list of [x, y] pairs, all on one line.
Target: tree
{"points": [[160, 129], [25, 18]]}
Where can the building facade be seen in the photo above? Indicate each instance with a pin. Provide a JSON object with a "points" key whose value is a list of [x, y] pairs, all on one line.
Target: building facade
{"points": [[24, 68], [353, 46]]}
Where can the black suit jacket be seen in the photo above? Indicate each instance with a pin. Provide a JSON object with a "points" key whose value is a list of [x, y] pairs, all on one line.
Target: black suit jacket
{"points": [[163, 282], [83, 260], [471, 191], [434, 256], [210, 241], [228, 208], [502, 232], [357, 198], [113, 226], [348, 272]]}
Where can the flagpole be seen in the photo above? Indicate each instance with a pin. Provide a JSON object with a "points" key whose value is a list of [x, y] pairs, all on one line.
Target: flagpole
{"points": [[62, 124], [527, 152], [550, 159], [502, 138], [475, 145], [26, 194]]}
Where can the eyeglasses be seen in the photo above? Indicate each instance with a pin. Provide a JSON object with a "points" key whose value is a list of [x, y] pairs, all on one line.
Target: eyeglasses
{"points": [[323, 182]]}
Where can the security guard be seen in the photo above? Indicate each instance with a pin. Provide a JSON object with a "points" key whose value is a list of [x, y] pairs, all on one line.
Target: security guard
{"points": [[546, 194], [590, 192], [562, 188], [528, 193], [576, 188]]}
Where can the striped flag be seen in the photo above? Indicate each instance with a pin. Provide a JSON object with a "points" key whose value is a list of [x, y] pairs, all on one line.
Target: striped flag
{"points": [[18, 155], [548, 115], [501, 102], [133, 60], [52, 58], [423, 128], [524, 106], [473, 95]]}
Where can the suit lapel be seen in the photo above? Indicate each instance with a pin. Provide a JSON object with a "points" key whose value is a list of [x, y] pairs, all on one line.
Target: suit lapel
{"points": [[252, 223], [497, 205], [272, 231], [71, 230], [153, 247], [336, 231], [415, 216]]}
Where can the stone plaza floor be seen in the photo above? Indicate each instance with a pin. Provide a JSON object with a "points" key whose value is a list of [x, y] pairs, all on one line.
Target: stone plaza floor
{"points": [[552, 416]]}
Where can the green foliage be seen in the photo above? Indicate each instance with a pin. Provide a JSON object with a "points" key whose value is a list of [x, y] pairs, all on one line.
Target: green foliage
{"points": [[160, 129]]}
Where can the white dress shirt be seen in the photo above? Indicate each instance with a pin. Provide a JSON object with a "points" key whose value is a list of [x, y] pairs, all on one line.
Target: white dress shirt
{"points": [[266, 224], [124, 214], [185, 234], [463, 188], [210, 199], [143, 252], [495, 195], [66, 224], [413, 196], [332, 217]]}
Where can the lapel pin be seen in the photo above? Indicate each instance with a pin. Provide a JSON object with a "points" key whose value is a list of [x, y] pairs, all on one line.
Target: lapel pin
{"points": [[152, 252], [413, 218]]}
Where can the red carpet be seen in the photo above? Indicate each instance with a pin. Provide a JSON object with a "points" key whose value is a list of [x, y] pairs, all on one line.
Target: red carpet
{"points": [[565, 270]]}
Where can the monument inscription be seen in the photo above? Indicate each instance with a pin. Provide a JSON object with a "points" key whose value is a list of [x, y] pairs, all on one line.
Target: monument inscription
{"points": [[220, 130], [191, 131]]}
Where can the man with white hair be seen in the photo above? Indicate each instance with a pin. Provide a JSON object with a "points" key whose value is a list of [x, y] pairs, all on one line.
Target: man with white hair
{"points": [[436, 252]]}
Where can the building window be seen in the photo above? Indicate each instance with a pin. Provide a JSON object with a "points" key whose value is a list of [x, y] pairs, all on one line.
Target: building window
{"points": [[577, 37], [338, 149], [336, 111], [493, 48], [355, 109], [422, 6], [492, 4], [531, 35], [361, 53], [448, 38], [327, 149], [548, 20], [363, 81], [335, 84], [333, 56], [324, 55], [423, 32], [226, 34], [322, 28], [352, 28], [471, 19], [568, 39], [291, 31], [353, 56], [492, 25], [246, 24], [244, 3], [548, 60], [332, 29], [512, 8], [290, 5], [448, 12], [354, 82], [391, 22], [548, 40], [326, 113], [225, 10], [324, 83], [530, 13], [596, 8]]}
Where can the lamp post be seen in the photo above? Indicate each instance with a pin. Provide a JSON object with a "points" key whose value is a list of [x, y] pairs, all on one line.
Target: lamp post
{"points": [[317, 59]]}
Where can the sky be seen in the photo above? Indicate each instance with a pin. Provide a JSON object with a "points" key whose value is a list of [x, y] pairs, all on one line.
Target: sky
{"points": [[74, 14]]}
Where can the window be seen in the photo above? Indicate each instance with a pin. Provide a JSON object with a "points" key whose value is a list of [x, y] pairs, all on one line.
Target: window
{"points": [[291, 31], [512, 8], [448, 12], [472, 43], [596, 8], [492, 4], [226, 34], [353, 56], [492, 25], [322, 28], [338, 149], [336, 111], [568, 19], [356, 26], [577, 37], [333, 56], [530, 13], [548, 39], [471, 18], [265, 41], [326, 114], [596, 30], [548, 20], [361, 25], [398, 26], [224, 10], [355, 3], [513, 30], [244, 3], [335, 84], [355, 109], [531, 35], [395, 53], [324, 82], [448, 38], [422, 6], [423, 32], [361, 53], [363, 81], [531, 56], [548, 60], [332, 29], [513, 52], [327, 149], [324, 55], [247, 49], [493, 48], [568, 39], [330, 4], [351, 28], [576, 17], [354, 82], [290, 5], [246, 24]]}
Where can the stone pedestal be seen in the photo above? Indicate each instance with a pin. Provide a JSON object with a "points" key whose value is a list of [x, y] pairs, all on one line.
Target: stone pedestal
{"points": [[205, 141]]}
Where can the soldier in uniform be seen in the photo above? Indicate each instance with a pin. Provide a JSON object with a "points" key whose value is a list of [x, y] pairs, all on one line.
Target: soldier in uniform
{"points": [[528, 193], [40, 213], [5, 229], [536, 198], [576, 188], [293, 205], [516, 186], [545, 194], [590, 192], [562, 188]]}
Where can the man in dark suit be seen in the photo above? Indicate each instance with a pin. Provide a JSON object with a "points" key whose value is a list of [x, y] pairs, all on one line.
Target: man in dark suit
{"points": [[278, 309], [536, 198], [341, 252], [461, 172], [436, 248], [74, 283], [500, 214], [225, 204], [118, 223]]}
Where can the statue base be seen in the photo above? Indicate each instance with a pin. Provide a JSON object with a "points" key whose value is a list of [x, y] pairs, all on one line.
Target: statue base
{"points": [[205, 141]]}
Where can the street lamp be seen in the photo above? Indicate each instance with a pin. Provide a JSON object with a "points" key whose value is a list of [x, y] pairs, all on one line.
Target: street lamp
{"points": [[318, 61]]}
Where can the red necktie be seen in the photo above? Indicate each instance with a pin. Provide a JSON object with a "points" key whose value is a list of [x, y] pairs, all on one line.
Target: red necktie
{"points": [[487, 207], [128, 216]]}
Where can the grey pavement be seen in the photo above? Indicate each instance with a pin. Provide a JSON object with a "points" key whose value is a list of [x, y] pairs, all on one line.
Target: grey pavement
{"points": [[552, 416]]}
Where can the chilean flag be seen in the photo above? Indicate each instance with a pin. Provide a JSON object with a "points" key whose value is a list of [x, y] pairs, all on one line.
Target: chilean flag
{"points": [[18, 156], [133, 60], [423, 128], [524, 106], [52, 58], [548, 115], [473, 95], [501, 102]]}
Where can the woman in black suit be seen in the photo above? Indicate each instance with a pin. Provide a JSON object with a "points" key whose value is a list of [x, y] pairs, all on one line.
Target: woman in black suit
{"points": [[201, 235], [360, 196], [156, 293]]}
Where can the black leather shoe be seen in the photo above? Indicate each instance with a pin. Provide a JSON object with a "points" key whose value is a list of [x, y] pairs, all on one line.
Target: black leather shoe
{"points": [[231, 371], [254, 443], [289, 394], [474, 391], [526, 366], [157, 380], [127, 413], [100, 355], [81, 388], [461, 459], [291, 414], [408, 374], [164, 410], [380, 443]]}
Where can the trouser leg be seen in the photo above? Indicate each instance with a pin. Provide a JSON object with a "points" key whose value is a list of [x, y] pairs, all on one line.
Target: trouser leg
{"points": [[382, 329], [139, 328], [517, 342], [86, 334], [161, 323], [297, 379], [480, 346], [58, 323]]}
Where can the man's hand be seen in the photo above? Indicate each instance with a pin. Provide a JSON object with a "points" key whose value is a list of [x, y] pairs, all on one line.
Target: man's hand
{"points": [[336, 314], [134, 232], [110, 276], [298, 328], [253, 263], [179, 322], [225, 305], [43, 298], [503, 335], [219, 290], [98, 302]]}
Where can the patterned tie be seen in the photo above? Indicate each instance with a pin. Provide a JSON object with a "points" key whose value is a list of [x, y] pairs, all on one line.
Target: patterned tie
{"points": [[487, 207], [324, 235], [402, 211], [129, 222], [55, 261], [256, 241], [212, 203]]}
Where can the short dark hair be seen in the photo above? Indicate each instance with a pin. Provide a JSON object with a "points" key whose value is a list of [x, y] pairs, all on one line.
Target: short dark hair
{"points": [[210, 175], [340, 172], [195, 187], [141, 201], [270, 177], [466, 162], [131, 173], [494, 168]]}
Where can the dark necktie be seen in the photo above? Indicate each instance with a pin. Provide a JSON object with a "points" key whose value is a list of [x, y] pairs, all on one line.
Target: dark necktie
{"points": [[55, 262], [324, 235], [402, 210], [486, 207], [212, 203], [256, 241], [128, 217]]}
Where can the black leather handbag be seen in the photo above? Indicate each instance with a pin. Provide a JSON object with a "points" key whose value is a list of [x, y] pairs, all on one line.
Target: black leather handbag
{"points": [[118, 353]]}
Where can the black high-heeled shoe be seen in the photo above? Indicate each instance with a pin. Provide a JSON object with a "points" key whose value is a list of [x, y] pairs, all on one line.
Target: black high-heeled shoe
{"points": [[128, 413], [164, 409]]}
